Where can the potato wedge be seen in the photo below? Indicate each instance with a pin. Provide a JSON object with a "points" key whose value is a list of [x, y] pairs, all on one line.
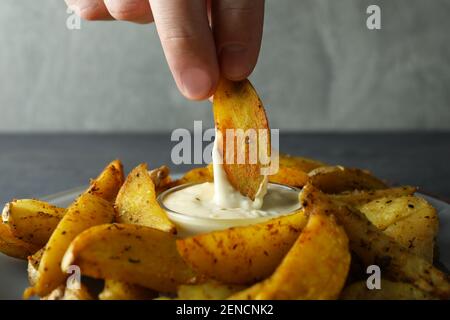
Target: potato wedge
{"points": [[293, 171], [242, 255], [339, 179], [33, 266], [87, 211], [237, 107], [409, 220], [32, 220], [389, 291], [119, 290], [209, 290], [108, 183], [357, 198], [197, 175], [131, 253], [372, 246], [315, 268], [161, 179], [136, 202], [13, 246]]}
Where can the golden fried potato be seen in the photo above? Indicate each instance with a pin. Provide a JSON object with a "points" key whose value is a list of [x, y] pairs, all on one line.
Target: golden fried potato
{"points": [[87, 211], [357, 198], [108, 183], [208, 290], [119, 290], [339, 179], [237, 106], [372, 246], [13, 246], [32, 220], [389, 291], [315, 268], [130, 253], [293, 171], [136, 202], [161, 179], [242, 255], [409, 220], [197, 175], [33, 266]]}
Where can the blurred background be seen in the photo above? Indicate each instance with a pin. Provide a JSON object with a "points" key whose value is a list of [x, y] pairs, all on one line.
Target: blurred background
{"points": [[320, 68]]}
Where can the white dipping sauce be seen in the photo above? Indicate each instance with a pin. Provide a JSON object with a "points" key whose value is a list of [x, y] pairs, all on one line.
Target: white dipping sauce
{"points": [[198, 201]]}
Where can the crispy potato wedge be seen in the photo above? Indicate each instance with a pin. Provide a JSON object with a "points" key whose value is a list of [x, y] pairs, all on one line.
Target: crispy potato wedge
{"points": [[108, 183], [33, 266], [65, 293], [372, 246], [32, 220], [136, 202], [237, 107], [161, 179], [131, 253], [293, 171], [338, 179], [119, 290], [87, 211], [357, 198], [209, 290], [315, 268], [389, 291], [197, 175], [409, 220], [13, 246], [242, 255]]}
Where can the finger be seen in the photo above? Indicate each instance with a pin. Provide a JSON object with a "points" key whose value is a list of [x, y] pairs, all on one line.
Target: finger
{"points": [[238, 28], [90, 9], [188, 45], [130, 10]]}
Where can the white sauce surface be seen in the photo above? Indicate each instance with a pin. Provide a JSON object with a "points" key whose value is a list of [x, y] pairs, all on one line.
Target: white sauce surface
{"points": [[198, 201]]}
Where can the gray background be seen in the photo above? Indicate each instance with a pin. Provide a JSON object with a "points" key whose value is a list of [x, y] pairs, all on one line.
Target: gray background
{"points": [[320, 68]]}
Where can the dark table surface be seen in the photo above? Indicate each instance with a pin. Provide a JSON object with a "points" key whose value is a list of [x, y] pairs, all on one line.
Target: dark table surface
{"points": [[41, 164]]}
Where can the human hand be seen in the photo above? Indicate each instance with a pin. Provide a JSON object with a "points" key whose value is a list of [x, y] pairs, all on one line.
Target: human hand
{"points": [[198, 37]]}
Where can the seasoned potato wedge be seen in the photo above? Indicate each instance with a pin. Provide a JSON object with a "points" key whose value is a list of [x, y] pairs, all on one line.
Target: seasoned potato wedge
{"points": [[13, 246], [33, 266], [119, 290], [197, 175], [108, 183], [316, 266], [410, 220], [242, 255], [87, 211], [130, 253], [389, 291], [32, 220], [357, 198], [293, 171], [136, 202], [209, 290], [374, 247], [339, 179], [161, 179], [237, 107]]}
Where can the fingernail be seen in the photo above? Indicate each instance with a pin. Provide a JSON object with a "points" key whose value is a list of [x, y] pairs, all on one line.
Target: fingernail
{"points": [[196, 83], [234, 61]]}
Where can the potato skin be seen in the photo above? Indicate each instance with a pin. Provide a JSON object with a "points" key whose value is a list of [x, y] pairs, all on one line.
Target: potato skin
{"points": [[242, 255], [87, 211], [389, 291], [136, 202], [130, 253], [108, 183], [315, 268], [13, 246], [32, 220], [338, 179], [357, 198]]}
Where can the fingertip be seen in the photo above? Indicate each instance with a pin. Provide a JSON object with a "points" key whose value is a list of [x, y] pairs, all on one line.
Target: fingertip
{"points": [[197, 83], [235, 62]]}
